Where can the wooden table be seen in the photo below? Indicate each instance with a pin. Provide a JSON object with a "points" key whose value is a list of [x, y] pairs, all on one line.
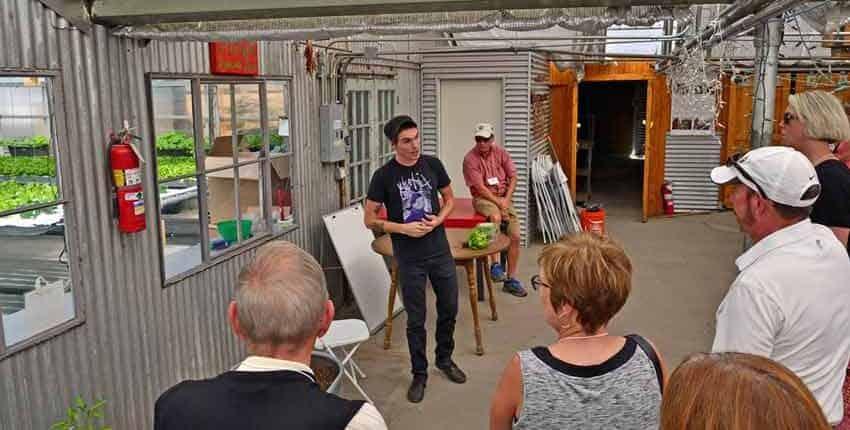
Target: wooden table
{"points": [[463, 257]]}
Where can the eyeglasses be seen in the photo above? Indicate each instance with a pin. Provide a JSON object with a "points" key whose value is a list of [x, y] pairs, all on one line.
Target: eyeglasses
{"points": [[536, 283], [787, 117], [480, 139], [733, 162]]}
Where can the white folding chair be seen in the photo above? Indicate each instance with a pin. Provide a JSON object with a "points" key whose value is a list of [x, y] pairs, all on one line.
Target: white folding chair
{"points": [[341, 335]]}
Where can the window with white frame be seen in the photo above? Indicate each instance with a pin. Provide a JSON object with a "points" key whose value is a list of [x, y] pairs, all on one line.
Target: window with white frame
{"points": [[386, 111], [368, 107], [360, 138], [224, 166], [36, 288]]}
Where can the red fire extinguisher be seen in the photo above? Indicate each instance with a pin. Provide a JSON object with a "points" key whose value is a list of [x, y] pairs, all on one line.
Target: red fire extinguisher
{"points": [[124, 160], [667, 197]]}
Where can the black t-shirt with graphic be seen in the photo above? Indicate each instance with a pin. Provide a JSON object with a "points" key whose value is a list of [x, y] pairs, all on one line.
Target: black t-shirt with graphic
{"points": [[410, 193], [832, 207]]}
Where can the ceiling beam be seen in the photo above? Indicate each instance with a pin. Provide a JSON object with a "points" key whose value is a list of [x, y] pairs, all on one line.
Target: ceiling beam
{"points": [[74, 11], [137, 12]]}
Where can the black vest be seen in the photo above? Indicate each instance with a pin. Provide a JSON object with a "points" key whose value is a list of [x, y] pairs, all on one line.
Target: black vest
{"points": [[277, 400]]}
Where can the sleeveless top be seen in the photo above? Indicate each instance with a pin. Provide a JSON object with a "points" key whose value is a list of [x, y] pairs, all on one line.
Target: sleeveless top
{"points": [[622, 393]]}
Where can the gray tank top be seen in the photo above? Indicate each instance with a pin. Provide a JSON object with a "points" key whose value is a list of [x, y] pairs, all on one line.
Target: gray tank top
{"points": [[621, 393]]}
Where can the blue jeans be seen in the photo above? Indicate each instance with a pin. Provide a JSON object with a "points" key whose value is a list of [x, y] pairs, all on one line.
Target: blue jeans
{"points": [[412, 277]]}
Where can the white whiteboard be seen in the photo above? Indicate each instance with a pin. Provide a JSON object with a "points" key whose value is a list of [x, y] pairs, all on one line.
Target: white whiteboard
{"points": [[365, 269]]}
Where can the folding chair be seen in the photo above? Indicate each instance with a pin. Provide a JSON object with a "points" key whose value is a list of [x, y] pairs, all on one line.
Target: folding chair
{"points": [[341, 335]]}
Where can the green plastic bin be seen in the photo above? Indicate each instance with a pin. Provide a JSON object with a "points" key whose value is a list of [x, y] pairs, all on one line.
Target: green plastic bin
{"points": [[227, 229]]}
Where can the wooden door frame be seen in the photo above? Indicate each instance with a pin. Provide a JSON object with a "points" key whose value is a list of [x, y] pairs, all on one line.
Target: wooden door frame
{"points": [[657, 115]]}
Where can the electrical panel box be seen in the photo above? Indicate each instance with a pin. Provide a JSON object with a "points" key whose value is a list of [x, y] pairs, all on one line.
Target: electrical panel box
{"points": [[332, 149]]}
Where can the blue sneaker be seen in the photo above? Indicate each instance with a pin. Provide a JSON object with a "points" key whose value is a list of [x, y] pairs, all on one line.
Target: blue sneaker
{"points": [[497, 272], [514, 287]]}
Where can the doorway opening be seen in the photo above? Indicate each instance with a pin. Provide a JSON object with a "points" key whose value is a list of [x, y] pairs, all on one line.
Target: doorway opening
{"points": [[611, 144]]}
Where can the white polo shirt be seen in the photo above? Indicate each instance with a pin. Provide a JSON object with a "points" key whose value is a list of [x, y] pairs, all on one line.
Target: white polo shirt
{"points": [[791, 303]]}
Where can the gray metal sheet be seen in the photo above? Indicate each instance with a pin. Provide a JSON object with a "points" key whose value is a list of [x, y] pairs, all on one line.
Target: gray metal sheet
{"points": [[137, 339]]}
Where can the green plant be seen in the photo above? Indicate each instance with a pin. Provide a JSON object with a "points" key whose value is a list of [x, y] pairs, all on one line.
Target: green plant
{"points": [[175, 141], [254, 142], [15, 194], [82, 416], [172, 167], [27, 166], [37, 141]]}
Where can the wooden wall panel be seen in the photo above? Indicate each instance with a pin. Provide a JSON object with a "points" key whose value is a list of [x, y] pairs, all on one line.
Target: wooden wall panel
{"points": [[619, 71], [564, 93], [658, 105], [736, 116]]}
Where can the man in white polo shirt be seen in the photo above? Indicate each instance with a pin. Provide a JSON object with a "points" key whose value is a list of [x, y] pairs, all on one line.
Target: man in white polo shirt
{"points": [[789, 302]]}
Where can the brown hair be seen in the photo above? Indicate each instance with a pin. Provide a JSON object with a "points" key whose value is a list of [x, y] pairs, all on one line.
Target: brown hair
{"points": [[738, 391], [592, 274]]}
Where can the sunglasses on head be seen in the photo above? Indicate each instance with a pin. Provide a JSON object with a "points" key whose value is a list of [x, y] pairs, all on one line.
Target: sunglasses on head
{"points": [[733, 162]]}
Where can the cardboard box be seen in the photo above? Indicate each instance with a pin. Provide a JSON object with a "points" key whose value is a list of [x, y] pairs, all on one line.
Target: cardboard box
{"points": [[221, 200]]}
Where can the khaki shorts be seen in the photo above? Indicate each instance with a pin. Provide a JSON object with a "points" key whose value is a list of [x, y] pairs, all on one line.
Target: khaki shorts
{"points": [[488, 209]]}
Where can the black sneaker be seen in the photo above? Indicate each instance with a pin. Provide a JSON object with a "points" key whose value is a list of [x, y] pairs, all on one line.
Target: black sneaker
{"points": [[417, 389], [453, 372]]}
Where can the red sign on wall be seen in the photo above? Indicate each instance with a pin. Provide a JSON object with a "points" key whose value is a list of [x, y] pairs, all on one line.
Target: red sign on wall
{"points": [[234, 58]]}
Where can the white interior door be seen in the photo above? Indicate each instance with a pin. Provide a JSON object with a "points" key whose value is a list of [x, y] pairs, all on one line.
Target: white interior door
{"points": [[463, 104]]}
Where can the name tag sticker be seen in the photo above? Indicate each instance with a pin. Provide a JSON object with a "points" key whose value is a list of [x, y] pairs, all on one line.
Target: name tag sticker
{"points": [[493, 181]]}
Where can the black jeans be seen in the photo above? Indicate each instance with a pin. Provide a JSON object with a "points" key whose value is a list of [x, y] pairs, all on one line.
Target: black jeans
{"points": [[412, 276]]}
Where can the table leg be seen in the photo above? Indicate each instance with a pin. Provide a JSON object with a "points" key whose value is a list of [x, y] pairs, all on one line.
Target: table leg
{"points": [[473, 300], [493, 315], [483, 267], [388, 326]]}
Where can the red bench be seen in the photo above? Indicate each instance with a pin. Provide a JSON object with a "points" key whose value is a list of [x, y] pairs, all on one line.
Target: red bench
{"points": [[463, 215]]}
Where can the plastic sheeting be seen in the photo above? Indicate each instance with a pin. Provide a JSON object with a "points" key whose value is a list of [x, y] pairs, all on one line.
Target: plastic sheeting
{"points": [[586, 20]]}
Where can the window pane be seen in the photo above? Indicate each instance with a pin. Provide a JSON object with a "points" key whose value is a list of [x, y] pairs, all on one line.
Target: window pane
{"points": [[181, 224], [173, 127], [277, 94], [24, 112], [223, 196], [35, 283], [221, 202], [218, 124], [283, 212], [27, 156]]}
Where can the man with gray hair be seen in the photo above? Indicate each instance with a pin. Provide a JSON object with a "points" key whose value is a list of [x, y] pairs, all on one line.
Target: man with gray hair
{"points": [[281, 307]]}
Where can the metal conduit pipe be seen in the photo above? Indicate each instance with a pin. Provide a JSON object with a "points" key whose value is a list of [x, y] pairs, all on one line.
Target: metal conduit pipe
{"points": [[677, 36], [513, 50], [729, 15], [772, 10]]}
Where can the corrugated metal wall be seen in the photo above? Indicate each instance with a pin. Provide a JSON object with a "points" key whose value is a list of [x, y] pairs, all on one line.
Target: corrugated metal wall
{"points": [[540, 121], [689, 160], [138, 338], [515, 69]]}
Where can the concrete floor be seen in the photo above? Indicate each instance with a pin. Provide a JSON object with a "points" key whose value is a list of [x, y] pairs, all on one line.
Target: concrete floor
{"points": [[682, 268]]}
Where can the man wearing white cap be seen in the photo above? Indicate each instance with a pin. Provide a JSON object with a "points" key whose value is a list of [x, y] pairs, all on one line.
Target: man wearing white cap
{"points": [[491, 177], [789, 301]]}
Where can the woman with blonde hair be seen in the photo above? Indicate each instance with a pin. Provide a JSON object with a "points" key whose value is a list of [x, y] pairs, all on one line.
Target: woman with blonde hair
{"points": [[736, 391], [815, 123], [588, 378]]}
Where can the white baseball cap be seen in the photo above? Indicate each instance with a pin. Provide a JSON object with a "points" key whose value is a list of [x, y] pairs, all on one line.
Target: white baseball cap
{"points": [[778, 173], [484, 130]]}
